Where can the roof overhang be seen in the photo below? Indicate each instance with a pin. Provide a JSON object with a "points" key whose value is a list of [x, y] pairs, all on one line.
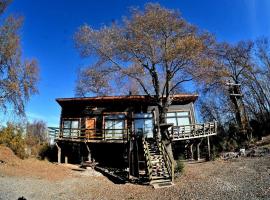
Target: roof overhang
{"points": [[177, 99]]}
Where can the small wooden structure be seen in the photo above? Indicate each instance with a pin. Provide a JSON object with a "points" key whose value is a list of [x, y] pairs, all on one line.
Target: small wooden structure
{"points": [[122, 129]]}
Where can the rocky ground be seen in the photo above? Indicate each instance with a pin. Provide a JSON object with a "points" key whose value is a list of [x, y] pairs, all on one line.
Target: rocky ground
{"points": [[240, 178]]}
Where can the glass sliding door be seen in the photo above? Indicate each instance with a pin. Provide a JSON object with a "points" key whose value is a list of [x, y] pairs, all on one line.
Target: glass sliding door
{"points": [[114, 125], [143, 124]]}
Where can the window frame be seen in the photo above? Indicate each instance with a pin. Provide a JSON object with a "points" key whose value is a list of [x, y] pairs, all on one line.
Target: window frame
{"points": [[149, 117], [70, 132], [189, 116], [112, 134]]}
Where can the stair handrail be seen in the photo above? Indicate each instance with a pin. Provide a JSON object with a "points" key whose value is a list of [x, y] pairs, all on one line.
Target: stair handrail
{"points": [[148, 159], [169, 162]]}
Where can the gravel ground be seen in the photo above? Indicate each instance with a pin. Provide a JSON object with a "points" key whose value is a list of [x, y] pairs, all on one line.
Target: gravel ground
{"points": [[241, 178]]}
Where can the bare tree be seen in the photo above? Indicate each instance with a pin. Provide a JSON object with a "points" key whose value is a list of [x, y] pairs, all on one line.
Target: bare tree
{"points": [[38, 131], [18, 78], [155, 47]]}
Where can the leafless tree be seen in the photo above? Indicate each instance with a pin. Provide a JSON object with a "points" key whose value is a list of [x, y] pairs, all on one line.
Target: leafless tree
{"points": [[155, 47], [18, 78]]}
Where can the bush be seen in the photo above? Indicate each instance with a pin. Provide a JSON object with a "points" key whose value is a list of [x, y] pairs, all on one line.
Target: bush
{"points": [[179, 168], [44, 151], [12, 137]]}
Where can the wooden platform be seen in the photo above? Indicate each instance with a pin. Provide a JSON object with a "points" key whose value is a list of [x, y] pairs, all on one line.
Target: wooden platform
{"points": [[193, 131]]}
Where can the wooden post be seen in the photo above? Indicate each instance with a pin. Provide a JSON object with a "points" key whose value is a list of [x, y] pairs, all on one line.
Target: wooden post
{"points": [[191, 152], [58, 153], [89, 152], [198, 150], [208, 147]]}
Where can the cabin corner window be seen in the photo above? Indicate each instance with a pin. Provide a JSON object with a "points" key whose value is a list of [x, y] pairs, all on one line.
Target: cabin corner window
{"points": [[70, 128], [178, 118], [114, 126]]}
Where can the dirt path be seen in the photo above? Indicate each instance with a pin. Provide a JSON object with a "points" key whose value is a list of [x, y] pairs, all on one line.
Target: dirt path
{"points": [[242, 178]]}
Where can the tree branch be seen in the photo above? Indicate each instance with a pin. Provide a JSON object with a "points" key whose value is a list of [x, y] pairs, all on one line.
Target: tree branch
{"points": [[178, 83]]}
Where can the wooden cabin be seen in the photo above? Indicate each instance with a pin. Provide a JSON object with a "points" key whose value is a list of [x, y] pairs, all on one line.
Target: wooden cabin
{"points": [[122, 131]]}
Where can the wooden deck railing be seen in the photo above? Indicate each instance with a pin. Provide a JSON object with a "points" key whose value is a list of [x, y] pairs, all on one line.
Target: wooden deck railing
{"points": [[193, 131], [89, 134], [169, 161]]}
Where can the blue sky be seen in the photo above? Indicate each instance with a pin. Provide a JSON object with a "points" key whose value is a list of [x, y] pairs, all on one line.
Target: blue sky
{"points": [[50, 24]]}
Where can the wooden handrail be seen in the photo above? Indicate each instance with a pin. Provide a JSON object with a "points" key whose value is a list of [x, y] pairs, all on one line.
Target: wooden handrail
{"points": [[88, 134], [148, 159], [194, 131], [167, 158]]}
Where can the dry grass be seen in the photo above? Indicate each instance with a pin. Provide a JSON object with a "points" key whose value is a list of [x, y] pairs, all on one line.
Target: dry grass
{"points": [[31, 167], [242, 178]]}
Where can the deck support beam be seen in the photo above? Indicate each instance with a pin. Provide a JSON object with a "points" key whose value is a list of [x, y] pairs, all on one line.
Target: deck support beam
{"points": [[58, 153], [208, 148], [191, 152], [66, 160], [89, 152], [198, 150]]}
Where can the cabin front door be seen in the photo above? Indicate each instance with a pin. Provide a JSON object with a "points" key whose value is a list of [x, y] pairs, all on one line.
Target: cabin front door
{"points": [[143, 124], [90, 128]]}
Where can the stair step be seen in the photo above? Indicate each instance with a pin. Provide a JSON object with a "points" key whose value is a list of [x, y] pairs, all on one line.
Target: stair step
{"points": [[160, 174], [161, 177], [162, 184]]}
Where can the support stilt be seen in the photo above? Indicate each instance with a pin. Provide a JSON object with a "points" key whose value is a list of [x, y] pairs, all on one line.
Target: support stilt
{"points": [[89, 151], [208, 147], [191, 152], [66, 160], [58, 153], [198, 150]]}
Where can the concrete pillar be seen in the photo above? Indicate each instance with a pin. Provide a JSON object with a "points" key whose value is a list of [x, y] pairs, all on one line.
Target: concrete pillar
{"points": [[66, 160], [58, 153]]}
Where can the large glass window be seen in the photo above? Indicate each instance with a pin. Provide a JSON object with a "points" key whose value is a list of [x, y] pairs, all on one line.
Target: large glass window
{"points": [[179, 118], [114, 126], [71, 128], [143, 123]]}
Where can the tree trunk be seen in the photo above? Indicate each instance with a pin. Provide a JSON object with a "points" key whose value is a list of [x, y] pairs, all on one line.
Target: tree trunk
{"points": [[240, 113], [165, 138]]}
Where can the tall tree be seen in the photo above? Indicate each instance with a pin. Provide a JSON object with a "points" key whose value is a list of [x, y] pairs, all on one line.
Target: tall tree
{"points": [[18, 77], [236, 61], [155, 47], [234, 79]]}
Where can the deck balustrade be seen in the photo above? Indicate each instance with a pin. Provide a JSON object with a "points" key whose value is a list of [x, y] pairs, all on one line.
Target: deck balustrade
{"points": [[184, 132], [193, 131], [88, 134]]}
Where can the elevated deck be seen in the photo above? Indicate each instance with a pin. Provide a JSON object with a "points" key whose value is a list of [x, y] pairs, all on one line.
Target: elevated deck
{"points": [[178, 133], [193, 131], [90, 135]]}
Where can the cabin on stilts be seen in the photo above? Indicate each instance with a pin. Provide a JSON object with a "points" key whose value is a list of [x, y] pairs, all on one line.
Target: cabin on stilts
{"points": [[121, 132]]}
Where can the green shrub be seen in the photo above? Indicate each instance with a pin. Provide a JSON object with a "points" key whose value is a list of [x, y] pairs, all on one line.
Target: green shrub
{"points": [[44, 151], [179, 167], [12, 137]]}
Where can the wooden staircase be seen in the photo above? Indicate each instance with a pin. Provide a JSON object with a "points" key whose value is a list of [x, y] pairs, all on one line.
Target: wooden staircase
{"points": [[157, 167]]}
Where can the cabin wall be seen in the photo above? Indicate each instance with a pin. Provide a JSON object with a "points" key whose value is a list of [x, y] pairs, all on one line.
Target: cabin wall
{"points": [[108, 154], [82, 112]]}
